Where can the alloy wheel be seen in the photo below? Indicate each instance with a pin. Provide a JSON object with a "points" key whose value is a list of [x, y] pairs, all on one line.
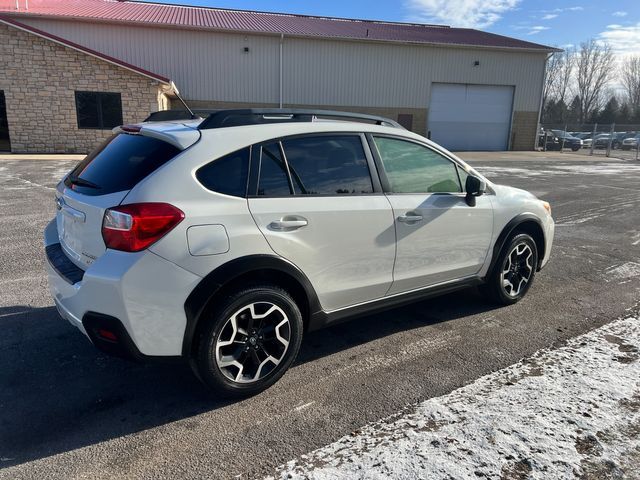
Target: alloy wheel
{"points": [[517, 269], [253, 342]]}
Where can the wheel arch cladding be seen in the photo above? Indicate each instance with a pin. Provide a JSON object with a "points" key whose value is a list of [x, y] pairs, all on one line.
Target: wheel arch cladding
{"points": [[524, 223], [239, 273]]}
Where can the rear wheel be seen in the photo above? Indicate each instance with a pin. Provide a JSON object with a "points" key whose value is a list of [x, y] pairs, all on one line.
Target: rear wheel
{"points": [[514, 271], [249, 341]]}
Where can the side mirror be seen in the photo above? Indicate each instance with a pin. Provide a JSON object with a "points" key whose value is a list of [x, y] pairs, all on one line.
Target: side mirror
{"points": [[474, 188]]}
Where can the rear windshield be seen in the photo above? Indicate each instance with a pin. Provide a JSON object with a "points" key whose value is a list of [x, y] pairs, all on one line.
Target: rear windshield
{"points": [[119, 164]]}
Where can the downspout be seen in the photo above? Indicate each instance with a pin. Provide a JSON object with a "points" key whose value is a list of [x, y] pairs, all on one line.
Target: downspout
{"points": [[281, 41]]}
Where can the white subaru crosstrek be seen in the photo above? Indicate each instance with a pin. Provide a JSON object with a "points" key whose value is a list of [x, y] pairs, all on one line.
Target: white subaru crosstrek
{"points": [[223, 240]]}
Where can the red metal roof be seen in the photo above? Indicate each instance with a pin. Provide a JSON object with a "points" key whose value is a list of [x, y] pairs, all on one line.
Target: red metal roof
{"points": [[260, 22], [54, 38]]}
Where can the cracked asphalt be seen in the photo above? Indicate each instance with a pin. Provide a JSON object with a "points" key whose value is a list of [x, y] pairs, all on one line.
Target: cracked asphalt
{"points": [[67, 411]]}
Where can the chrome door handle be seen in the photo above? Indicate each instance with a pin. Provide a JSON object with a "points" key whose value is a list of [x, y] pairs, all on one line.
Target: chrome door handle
{"points": [[288, 224], [410, 218]]}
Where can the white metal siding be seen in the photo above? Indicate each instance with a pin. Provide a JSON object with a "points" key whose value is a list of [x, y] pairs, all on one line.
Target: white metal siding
{"points": [[470, 117], [212, 65]]}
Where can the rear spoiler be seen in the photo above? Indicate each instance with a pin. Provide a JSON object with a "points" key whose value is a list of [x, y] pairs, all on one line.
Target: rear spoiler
{"points": [[179, 135]]}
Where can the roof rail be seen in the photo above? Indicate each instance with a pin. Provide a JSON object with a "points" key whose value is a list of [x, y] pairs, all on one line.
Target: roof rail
{"points": [[256, 116]]}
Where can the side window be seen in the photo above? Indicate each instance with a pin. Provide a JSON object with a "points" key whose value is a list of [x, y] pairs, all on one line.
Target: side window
{"points": [[463, 176], [328, 165], [227, 174], [272, 177], [413, 168]]}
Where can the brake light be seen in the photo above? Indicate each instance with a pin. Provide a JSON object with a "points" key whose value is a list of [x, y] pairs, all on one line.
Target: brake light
{"points": [[137, 226]]}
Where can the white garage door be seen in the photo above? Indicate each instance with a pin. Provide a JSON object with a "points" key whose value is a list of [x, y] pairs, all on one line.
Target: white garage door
{"points": [[470, 117]]}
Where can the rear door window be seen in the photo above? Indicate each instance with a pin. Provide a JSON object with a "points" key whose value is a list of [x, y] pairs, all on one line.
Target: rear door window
{"points": [[273, 180], [328, 165], [120, 163]]}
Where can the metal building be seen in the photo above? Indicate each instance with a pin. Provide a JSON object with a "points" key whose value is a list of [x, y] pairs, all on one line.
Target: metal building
{"points": [[466, 89]]}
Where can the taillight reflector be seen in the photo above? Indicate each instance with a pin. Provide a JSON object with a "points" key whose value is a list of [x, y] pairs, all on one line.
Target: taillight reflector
{"points": [[137, 226]]}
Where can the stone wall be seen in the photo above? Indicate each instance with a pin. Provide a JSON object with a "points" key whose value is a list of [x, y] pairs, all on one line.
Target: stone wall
{"points": [[524, 128], [39, 81]]}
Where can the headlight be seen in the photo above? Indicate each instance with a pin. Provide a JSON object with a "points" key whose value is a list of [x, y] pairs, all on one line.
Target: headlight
{"points": [[547, 206], [556, 139]]}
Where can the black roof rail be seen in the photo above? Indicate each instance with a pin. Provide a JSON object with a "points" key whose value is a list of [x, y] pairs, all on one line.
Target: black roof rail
{"points": [[169, 115], [257, 116]]}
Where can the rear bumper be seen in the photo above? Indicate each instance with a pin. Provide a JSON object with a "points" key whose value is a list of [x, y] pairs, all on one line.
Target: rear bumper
{"points": [[141, 291]]}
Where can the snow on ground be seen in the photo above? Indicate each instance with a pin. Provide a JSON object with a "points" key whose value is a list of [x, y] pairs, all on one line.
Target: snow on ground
{"points": [[573, 412], [609, 168]]}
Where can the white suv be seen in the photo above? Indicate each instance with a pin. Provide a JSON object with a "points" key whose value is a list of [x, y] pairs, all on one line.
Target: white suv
{"points": [[222, 240]]}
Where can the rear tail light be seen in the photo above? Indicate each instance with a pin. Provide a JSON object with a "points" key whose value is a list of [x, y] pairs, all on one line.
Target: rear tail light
{"points": [[137, 226]]}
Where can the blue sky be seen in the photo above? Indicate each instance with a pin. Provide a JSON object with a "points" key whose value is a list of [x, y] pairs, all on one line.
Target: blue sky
{"points": [[557, 23]]}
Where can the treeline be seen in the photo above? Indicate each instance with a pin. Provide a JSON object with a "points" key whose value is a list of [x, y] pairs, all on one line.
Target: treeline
{"points": [[556, 112], [589, 85]]}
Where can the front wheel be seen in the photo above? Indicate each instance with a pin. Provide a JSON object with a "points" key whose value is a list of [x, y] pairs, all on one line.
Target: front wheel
{"points": [[575, 148], [513, 273], [249, 341]]}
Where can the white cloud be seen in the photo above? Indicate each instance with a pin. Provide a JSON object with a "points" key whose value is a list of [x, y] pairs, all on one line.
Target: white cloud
{"points": [[549, 16], [625, 40], [619, 14], [537, 29], [565, 9], [459, 13]]}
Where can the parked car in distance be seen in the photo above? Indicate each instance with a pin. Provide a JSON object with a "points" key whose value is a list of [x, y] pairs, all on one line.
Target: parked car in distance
{"points": [[559, 139], [222, 241], [631, 143], [602, 141]]}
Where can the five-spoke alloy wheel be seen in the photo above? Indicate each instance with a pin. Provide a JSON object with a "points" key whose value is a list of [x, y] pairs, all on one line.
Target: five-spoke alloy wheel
{"points": [[249, 341], [514, 270], [517, 269], [253, 342]]}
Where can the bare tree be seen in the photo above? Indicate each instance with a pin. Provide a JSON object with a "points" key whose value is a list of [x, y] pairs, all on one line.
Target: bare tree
{"points": [[552, 73], [566, 74], [594, 71], [558, 75], [630, 72]]}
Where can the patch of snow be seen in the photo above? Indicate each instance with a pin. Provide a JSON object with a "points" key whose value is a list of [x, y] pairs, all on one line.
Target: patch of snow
{"points": [[550, 170], [623, 271], [564, 413]]}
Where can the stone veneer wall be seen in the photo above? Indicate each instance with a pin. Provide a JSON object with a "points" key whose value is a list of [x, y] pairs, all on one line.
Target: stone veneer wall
{"points": [[524, 128], [39, 79]]}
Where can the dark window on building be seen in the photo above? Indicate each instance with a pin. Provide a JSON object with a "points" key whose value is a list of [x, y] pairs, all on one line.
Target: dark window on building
{"points": [[227, 174], [273, 180], [406, 120], [119, 164], [99, 110], [328, 165], [5, 144]]}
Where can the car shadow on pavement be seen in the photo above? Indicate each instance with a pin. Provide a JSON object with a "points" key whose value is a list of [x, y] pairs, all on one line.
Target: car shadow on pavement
{"points": [[59, 393]]}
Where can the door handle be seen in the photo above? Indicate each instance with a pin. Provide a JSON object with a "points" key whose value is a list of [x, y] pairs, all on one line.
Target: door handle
{"points": [[288, 223], [410, 218]]}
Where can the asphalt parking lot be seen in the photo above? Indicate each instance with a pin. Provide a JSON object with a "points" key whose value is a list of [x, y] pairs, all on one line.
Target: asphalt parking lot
{"points": [[67, 411]]}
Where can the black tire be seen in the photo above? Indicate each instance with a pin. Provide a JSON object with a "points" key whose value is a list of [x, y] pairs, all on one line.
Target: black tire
{"points": [[494, 288], [575, 148], [219, 326]]}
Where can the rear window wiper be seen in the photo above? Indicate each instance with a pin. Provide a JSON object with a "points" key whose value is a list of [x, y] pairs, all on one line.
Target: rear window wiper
{"points": [[81, 182]]}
